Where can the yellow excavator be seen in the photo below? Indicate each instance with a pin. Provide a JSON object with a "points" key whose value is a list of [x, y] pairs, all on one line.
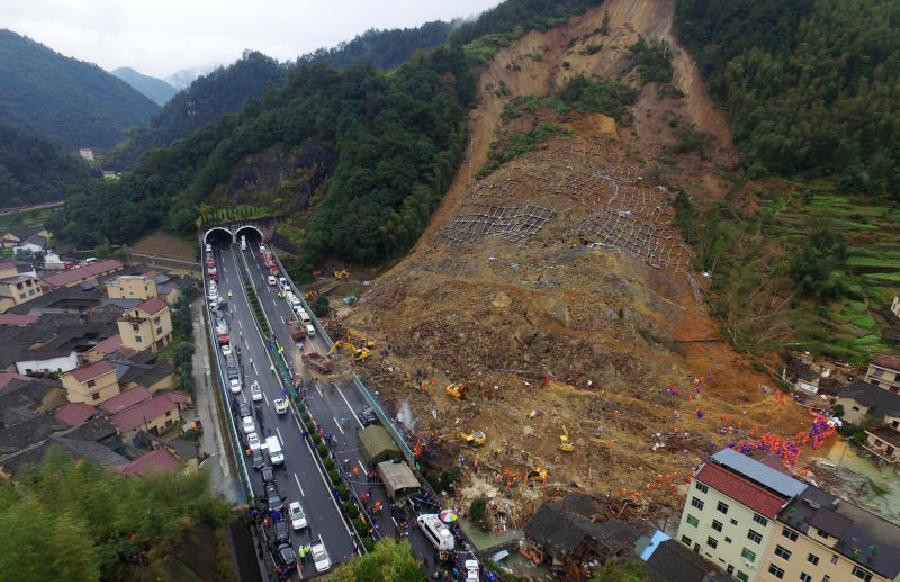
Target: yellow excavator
{"points": [[341, 274], [361, 354], [458, 389], [363, 341], [473, 439], [341, 345], [538, 474], [564, 443]]}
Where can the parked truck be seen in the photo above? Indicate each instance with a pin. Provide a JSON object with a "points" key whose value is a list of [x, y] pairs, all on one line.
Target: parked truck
{"points": [[318, 362], [297, 330]]}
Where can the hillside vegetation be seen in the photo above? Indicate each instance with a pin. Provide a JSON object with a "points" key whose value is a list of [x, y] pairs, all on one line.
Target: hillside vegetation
{"points": [[34, 170], [225, 89], [812, 92], [398, 138], [151, 87], [64, 99]]}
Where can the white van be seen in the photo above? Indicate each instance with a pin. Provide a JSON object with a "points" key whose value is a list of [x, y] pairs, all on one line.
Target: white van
{"points": [[304, 317], [272, 281], [310, 330], [274, 447]]}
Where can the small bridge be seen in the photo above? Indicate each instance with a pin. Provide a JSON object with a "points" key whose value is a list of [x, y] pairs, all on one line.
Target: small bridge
{"points": [[255, 229]]}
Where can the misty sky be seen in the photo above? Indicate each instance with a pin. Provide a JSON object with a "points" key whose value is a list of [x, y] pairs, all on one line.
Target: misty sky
{"points": [[159, 37]]}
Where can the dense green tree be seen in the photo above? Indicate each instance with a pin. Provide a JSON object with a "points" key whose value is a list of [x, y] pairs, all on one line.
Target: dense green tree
{"points": [[63, 99], [819, 269], [389, 561], [810, 86], [627, 571]]}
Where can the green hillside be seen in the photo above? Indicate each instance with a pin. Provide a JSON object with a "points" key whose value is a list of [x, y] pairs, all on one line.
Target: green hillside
{"points": [[155, 89], [64, 99]]}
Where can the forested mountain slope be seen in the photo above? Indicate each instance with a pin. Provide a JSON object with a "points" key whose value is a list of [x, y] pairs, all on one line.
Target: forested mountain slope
{"points": [[224, 90], [64, 99], [811, 86], [397, 138], [33, 170], [151, 87]]}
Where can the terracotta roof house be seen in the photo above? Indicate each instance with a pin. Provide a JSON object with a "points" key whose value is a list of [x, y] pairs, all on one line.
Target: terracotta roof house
{"points": [[158, 461]]}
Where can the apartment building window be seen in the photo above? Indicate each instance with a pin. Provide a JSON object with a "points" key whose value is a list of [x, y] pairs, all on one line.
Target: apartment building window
{"points": [[754, 536], [156, 319], [692, 520], [134, 327], [158, 331], [789, 534], [782, 553], [760, 519], [712, 542], [813, 559], [722, 507], [822, 534], [700, 486], [696, 502], [686, 541], [138, 339], [727, 540], [717, 525], [742, 577], [95, 396], [804, 577], [730, 569], [834, 559], [733, 521], [748, 555], [776, 571], [862, 573]]}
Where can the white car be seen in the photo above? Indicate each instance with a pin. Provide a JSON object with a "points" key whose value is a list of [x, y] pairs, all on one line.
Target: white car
{"points": [[249, 425], [281, 405], [256, 391], [283, 282], [310, 330], [320, 557], [226, 350], [472, 571], [272, 281], [235, 386], [262, 248], [253, 441], [297, 515], [213, 295], [208, 248]]}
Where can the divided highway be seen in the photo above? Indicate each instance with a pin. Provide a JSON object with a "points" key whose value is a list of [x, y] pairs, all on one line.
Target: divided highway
{"points": [[299, 478]]}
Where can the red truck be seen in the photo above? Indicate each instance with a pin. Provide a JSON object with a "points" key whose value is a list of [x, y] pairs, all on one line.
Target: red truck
{"points": [[213, 274], [297, 331]]}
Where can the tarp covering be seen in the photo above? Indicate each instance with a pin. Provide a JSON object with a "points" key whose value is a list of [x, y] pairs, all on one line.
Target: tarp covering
{"points": [[377, 444], [398, 478]]}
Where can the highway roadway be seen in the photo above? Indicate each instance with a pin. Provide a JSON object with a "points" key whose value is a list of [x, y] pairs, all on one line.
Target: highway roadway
{"points": [[335, 405], [300, 478]]}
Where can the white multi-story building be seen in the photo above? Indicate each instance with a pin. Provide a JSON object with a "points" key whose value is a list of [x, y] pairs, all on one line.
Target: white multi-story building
{"points": [[730, 511]]}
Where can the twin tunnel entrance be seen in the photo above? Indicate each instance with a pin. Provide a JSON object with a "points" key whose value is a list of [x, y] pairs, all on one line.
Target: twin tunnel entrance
{"points": [[221, 236]]}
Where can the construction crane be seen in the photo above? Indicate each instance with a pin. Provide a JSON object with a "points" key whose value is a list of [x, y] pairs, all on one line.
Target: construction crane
{"points": [[564, 443]]}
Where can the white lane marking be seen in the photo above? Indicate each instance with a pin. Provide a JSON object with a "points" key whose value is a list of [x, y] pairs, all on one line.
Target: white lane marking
{"points": [[338, 424], [355, 416], [273, 302], [278, 430], [300, 487], [266, 398], [319, 390], [283, 322], [240, 325], [252, 365], [363, 467]]}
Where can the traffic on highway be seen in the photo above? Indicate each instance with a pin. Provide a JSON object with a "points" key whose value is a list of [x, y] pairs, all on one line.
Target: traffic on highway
{"points": [[295, 507]]}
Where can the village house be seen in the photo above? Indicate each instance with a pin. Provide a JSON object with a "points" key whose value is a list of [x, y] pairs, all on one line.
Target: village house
{"points": [[19, 234], [884, 442], [147, 327], [33, 244], [93, 384], [861, 399], [158, 461], [563, 535], [895, 306], [156, 414], [144, 369], [669, 561], [823, 538], [17, 288], [88, 272], [131, 287], [884, 372]]}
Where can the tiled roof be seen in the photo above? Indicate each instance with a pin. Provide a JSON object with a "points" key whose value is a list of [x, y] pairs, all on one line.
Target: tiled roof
{"points": [[124, 400], [134, 417], [160, 460], [93, 371], [741, 490], [880, 400], [75, 414], [14, 319], [152, 305], [886, 361], [83, 273], [110, 344], [7, 377]]}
